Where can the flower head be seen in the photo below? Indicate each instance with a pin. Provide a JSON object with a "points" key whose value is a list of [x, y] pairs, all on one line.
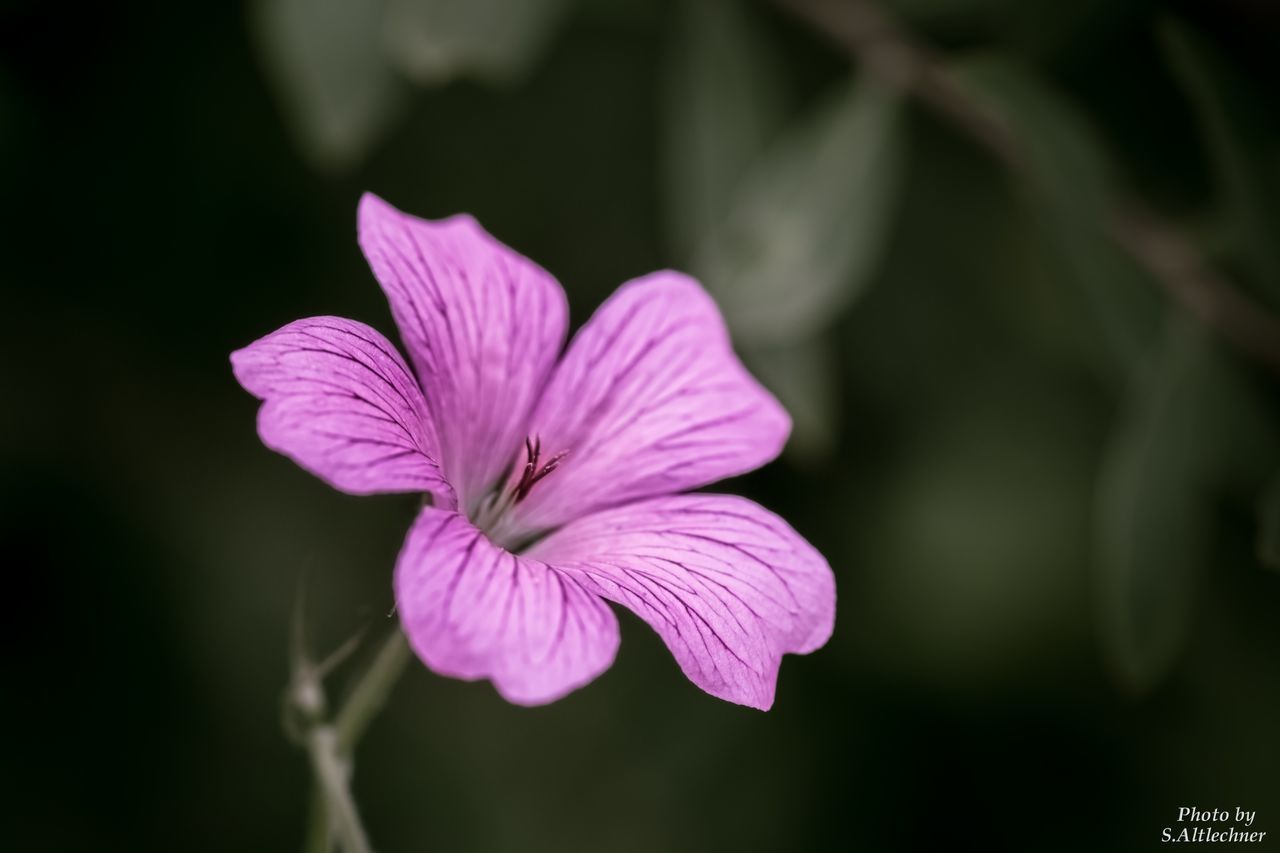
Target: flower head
{"points": [[558, 481]]}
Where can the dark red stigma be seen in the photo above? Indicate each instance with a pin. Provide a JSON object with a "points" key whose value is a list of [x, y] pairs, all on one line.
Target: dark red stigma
{"points": [[532, 473]]}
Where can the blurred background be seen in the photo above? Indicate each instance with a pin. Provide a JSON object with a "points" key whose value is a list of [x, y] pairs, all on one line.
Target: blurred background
{"points": [[1012, 264]]}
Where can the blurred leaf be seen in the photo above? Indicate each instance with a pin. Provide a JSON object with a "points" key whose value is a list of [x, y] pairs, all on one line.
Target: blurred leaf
{"points": [[1269, 525], [723, 104], [1194, 430], [724, 108], [810, 220], [1153, 517], [1239, 130], [1069, 193], [436, 41], [1190, 426], [803, 376], [334, 83]]}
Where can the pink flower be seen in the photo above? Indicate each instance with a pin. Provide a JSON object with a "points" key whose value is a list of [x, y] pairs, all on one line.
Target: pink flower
{"points": [[555, 479]]}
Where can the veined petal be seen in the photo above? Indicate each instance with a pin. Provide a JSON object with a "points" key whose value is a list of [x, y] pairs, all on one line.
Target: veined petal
{"points": [[483, 326], [340, 401], [650, 399], [473, 610], [728, 585]]}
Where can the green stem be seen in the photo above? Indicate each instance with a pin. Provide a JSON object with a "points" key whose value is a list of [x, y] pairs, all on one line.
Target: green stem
{"points": [[331, 745], [319, 832], [334, 776], [371, 691]]}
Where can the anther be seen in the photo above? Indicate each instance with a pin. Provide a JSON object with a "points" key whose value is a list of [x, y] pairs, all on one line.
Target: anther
{"points": [[552, 464], [532, 473]]}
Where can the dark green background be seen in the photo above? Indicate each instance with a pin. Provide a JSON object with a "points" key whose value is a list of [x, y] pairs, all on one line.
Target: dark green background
{"points": [[157, 215]]}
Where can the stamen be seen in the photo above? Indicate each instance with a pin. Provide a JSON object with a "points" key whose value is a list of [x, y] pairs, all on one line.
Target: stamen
{"points": [[530, 468], [552, 464], [492, 513], [532, 473]]}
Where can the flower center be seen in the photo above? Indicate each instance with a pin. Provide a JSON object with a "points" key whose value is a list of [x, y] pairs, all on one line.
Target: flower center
{"points": [[491, 515]]}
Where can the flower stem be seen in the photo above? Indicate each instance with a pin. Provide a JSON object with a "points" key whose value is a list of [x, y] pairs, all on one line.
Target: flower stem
{"points": [[330, 742], [371, 691], [319, 832], [334, 775]]}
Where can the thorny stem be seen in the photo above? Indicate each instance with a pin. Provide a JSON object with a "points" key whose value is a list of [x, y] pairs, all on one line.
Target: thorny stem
{"points": [[889, 51], [330, 745]]}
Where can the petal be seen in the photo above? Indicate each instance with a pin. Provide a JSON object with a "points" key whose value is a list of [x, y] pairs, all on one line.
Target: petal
{"points": [[473, 610], [649, 400], [340, 401], [483, 326], [728, 585]]}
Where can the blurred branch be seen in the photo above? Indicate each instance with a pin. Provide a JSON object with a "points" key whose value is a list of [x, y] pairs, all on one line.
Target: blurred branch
{"points": [[1174, 261], [888, 50]]}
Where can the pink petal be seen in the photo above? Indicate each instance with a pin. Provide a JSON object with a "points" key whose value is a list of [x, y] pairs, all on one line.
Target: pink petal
{"points": [[340, 401], [473, 610], [649, 400], [728, 585], [483, 326]]}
